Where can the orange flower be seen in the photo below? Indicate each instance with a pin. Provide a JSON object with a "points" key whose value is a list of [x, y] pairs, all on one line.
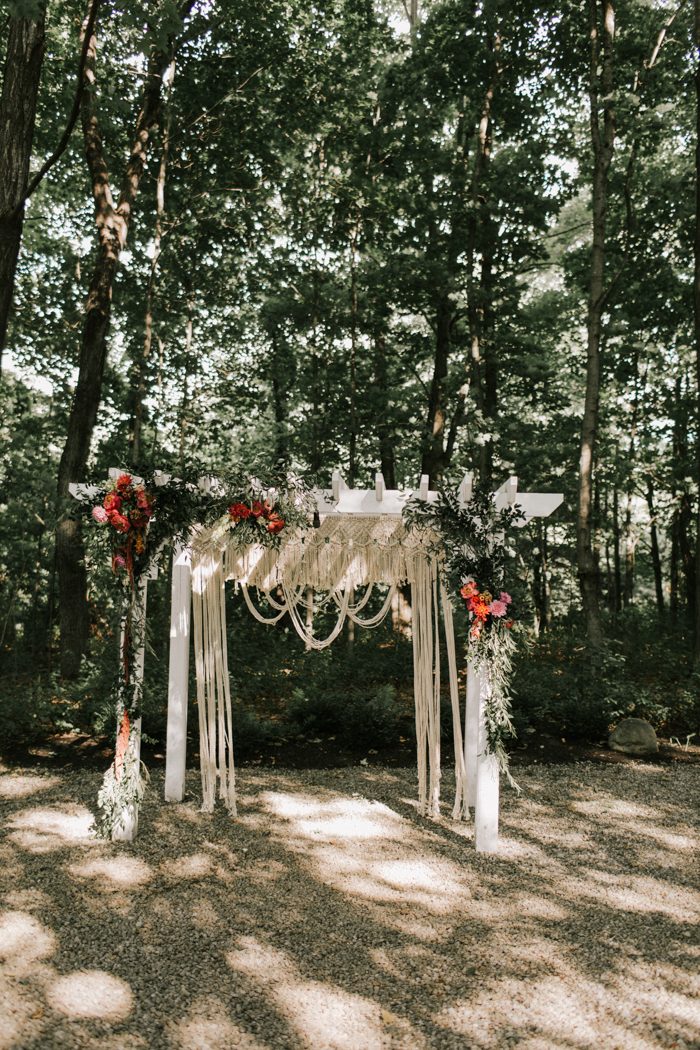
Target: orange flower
{"points": [[275, 523], [112, 501]]}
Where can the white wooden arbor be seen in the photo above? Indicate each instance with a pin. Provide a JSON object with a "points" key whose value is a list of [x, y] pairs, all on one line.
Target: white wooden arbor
{"points": [[477, 771]]}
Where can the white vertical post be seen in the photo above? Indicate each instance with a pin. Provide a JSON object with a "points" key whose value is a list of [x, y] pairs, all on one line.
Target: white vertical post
{"points": [[471, 732], [178, 675], [487, 784], [465, 488], [338, 486], [126, 823]]}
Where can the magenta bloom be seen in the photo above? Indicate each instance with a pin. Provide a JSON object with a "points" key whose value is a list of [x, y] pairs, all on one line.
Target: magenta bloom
{"points": [[505, 597], [119, 562], [100, 515], [498, 608]]}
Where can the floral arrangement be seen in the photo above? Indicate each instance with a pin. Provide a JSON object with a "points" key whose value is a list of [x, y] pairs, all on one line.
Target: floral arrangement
{"points": [[471, 542], [127, 508], [256, 516], [141, 516], [483, 608]]}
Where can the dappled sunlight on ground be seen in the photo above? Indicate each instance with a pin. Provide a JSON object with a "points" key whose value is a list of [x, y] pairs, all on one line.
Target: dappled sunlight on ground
{"points": [[331, 916], [112, 874], [24, 786], [43, 830], [352, 844], [207, 1026], [323, 1015], [93, 994]]}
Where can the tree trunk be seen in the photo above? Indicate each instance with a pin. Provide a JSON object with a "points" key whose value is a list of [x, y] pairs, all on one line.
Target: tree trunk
{"points": [[655, 554], [696, 305], [387, 457], [112, 222], [540, 579], [490, 363], [601, 94], [440, 441], [187, 373], [686, 550], [617, 586], [20, 86], [673, 576], [143, 359], [482, 371], [630, 544], [352, 444], [433, 460]]}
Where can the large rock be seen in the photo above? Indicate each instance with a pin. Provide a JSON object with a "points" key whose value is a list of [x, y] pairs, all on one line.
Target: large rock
{"points": [[634, 736]]}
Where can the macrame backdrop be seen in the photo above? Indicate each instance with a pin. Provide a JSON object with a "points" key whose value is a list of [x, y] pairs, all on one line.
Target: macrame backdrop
{"points": [[347, 553]]}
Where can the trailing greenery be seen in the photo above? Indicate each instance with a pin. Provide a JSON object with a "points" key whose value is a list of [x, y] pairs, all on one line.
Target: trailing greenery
{"points": [[471, 544]]}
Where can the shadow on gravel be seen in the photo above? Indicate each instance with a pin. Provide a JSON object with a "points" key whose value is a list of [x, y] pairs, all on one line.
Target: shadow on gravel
{"points": [[330, 915]]}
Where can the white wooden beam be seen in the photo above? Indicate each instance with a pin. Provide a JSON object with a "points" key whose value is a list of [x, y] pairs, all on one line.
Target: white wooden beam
{"points": [[178, 676], [538, 505], [379, 486], [424, 487], [487, 783], [126, 822], [471, 732], [338, 486], [506, 495], [466, 486], [82, 492], [116, 472]]}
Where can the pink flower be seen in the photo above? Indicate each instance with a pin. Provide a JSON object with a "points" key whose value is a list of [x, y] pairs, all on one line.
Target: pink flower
{"points": [[498, 608], [505, 597], [118, 562], [100, 515]]}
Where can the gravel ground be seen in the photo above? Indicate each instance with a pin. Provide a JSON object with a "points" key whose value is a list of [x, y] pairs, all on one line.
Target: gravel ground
{"points": [[330, 915]]}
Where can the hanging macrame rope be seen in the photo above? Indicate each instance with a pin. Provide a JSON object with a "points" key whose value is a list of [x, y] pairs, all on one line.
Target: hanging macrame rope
{"points": [[203, 656], [434, 708], [307, 635], [340, 557], [422, 674], [256, 612], [460, 810], [379, 616]]}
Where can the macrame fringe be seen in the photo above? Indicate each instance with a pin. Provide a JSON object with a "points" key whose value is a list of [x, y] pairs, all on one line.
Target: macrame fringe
{"points": [[343, 555]]}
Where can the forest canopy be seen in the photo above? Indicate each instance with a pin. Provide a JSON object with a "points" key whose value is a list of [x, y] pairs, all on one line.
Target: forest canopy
{"points": [[358, 235]]}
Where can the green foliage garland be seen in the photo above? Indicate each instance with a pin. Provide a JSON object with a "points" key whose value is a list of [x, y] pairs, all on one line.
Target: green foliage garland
{"points": [[471, 544]]}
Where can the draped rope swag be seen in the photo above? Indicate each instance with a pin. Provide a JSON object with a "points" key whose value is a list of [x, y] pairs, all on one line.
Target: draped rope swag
{"points": [[347, 553]]}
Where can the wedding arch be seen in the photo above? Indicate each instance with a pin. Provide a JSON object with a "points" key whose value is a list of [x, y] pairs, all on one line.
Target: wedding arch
{"points": [[360, 545]]}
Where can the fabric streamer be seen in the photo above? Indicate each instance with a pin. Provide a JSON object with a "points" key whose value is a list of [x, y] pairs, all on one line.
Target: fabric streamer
{"points": [[347, 553]]}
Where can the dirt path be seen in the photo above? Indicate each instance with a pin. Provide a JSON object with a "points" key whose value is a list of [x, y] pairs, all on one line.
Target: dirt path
{"points": [[331, 915]]}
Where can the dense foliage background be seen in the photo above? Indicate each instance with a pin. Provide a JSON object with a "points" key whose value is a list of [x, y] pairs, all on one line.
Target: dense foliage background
{"points": [[362, 239]]}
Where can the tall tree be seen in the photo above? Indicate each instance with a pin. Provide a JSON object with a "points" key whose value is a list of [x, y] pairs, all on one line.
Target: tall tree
{"points": [[20, 87], [696, 306], [112, 220], [601, 98]]}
